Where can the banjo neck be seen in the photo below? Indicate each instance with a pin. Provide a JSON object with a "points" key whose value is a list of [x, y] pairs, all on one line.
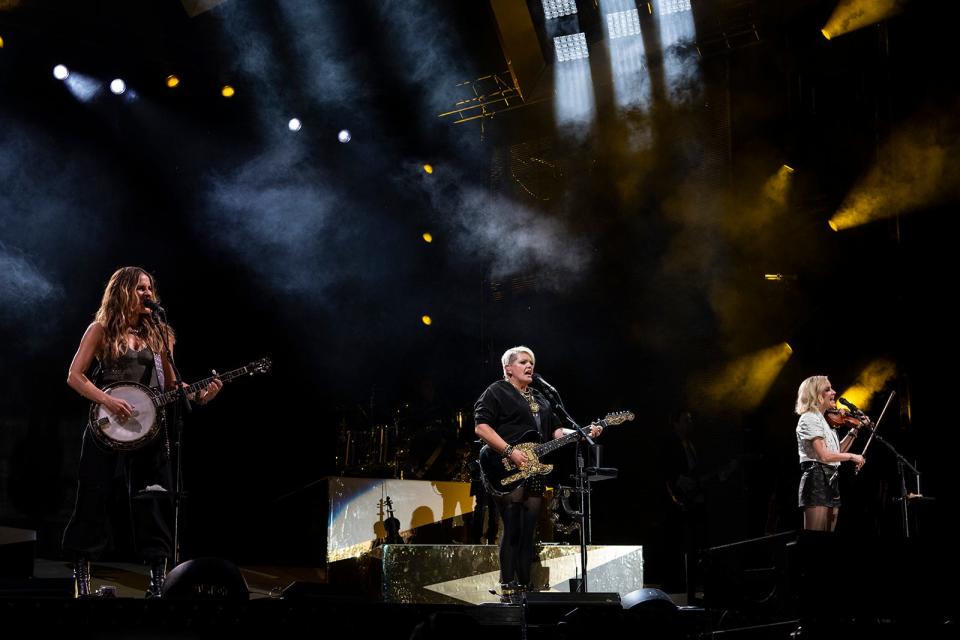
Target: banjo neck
{"points": [[171, 396]]}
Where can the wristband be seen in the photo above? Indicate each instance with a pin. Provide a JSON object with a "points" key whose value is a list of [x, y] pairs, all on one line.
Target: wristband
{"points": [[508, 451]]}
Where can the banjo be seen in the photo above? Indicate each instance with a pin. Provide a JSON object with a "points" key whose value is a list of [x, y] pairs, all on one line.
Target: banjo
{"points": [[146, 420]]}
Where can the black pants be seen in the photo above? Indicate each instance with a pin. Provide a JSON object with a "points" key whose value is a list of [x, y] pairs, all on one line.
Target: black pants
{"points": [[520, 510], [151, 511]]}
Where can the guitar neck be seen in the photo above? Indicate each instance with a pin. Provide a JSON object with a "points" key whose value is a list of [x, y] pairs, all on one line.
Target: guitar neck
{"points": [[171, 395], [611, 419], [552, 445]]}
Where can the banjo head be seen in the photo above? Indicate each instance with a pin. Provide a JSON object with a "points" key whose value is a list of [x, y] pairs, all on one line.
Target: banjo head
{"points": [[134, 432]]}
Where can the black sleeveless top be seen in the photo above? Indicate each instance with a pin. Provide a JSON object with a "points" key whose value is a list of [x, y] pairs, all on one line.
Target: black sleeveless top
{"points": [[133, 366]]}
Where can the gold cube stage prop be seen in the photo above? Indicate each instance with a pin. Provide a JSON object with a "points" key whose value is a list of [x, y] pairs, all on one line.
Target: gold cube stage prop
{"points": [[458, 574]]}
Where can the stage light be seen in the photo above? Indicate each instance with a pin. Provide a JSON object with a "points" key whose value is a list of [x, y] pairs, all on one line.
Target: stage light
{"points": [[833, 225], [556, 8], [572, 47], [851, 15], [60, 72], [678, 32], [344, 136], [666, 7], [631, 82], [118, 86], [428, 237], [777, 187], [227, 91], [427, 320], [294, 124], [428, 168], [84, 88], [172, 81], [621, 24], [1, 42]]}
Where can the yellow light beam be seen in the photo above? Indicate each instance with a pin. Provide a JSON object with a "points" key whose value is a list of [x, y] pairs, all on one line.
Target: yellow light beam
{"points": [[851, 15], [777, 187], [743, 383], [913, 173], [873, 378]]}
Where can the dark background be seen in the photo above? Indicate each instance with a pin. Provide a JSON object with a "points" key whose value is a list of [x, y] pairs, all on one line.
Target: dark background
{"points": [[630, 266]]}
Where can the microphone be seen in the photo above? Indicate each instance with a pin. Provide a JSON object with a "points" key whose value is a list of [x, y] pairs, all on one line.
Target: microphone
{"points": [[847, 403], [546, 386], [153, 306]]}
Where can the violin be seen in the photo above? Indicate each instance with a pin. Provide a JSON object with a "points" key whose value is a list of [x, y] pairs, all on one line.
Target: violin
{"points": [[392, 525], [850, 419]]}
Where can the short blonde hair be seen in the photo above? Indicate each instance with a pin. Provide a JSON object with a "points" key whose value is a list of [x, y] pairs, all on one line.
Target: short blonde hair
{"points": [[808, 395], [510, 356]]}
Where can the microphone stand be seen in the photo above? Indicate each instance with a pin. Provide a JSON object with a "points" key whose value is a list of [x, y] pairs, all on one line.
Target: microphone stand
{"points": [[905, 496], [179, 493], [583, 482]]}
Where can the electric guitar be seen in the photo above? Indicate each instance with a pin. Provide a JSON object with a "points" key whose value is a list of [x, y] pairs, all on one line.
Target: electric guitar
{"points": [[501, 476]]}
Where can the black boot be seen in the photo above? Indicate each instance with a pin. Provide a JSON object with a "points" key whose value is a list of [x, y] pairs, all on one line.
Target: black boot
{"points": [[510, 593], [81, 577], [158, 573]]}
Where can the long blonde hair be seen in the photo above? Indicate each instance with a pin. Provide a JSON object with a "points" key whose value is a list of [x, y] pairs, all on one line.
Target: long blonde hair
{"points": [[808, 395], [119, 310]]}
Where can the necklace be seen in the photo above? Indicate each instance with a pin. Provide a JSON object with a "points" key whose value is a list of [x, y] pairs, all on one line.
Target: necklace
{"points": [[139, 333], [528, 396]]}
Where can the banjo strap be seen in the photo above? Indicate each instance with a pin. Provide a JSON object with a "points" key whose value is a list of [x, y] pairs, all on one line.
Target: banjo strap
{"points": [[158, 365]]}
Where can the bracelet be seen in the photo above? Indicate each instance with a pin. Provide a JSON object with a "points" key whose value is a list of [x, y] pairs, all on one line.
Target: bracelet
{"points": [[508, 451]]}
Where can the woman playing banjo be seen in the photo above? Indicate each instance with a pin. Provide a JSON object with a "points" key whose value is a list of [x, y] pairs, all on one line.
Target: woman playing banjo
{"points": [[128, 346]]}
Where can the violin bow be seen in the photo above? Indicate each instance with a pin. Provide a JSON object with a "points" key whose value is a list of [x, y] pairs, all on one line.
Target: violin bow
{"points": [[876, 425]]}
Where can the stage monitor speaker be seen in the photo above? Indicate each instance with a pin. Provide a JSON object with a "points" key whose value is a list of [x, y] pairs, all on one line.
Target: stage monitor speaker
{"points": [[206, 579], [648, 600], [550, 607], [16, 552]]}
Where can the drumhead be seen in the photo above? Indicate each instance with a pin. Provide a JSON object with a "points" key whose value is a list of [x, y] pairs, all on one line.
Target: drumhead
{"points": [[139, 426]]}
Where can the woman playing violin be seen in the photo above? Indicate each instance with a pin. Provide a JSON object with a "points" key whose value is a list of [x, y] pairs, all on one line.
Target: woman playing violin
{"points": [[821, 453]]}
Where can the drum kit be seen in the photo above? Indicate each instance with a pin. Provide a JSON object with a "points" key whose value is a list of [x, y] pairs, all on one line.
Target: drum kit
{"points": [[407, 446]]}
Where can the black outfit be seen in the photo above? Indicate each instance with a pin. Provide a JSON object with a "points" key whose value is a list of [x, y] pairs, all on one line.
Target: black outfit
{"points": [[819, 485], [87, 534], [503, 408]]}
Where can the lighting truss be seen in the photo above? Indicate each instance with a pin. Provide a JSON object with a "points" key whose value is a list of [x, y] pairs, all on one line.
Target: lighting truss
{"points": [[621, 24], [556, 8], [572, 47]]}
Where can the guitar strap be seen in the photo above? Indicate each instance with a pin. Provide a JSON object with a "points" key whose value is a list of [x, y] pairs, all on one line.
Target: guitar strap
{"points": [[158, 366]]}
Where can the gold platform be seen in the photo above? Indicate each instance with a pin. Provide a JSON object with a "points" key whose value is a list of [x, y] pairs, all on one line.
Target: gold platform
{"points": [[457, 574]]}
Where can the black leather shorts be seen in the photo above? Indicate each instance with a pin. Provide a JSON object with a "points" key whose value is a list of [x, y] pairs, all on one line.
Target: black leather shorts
{"points": [[820, 485]]}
